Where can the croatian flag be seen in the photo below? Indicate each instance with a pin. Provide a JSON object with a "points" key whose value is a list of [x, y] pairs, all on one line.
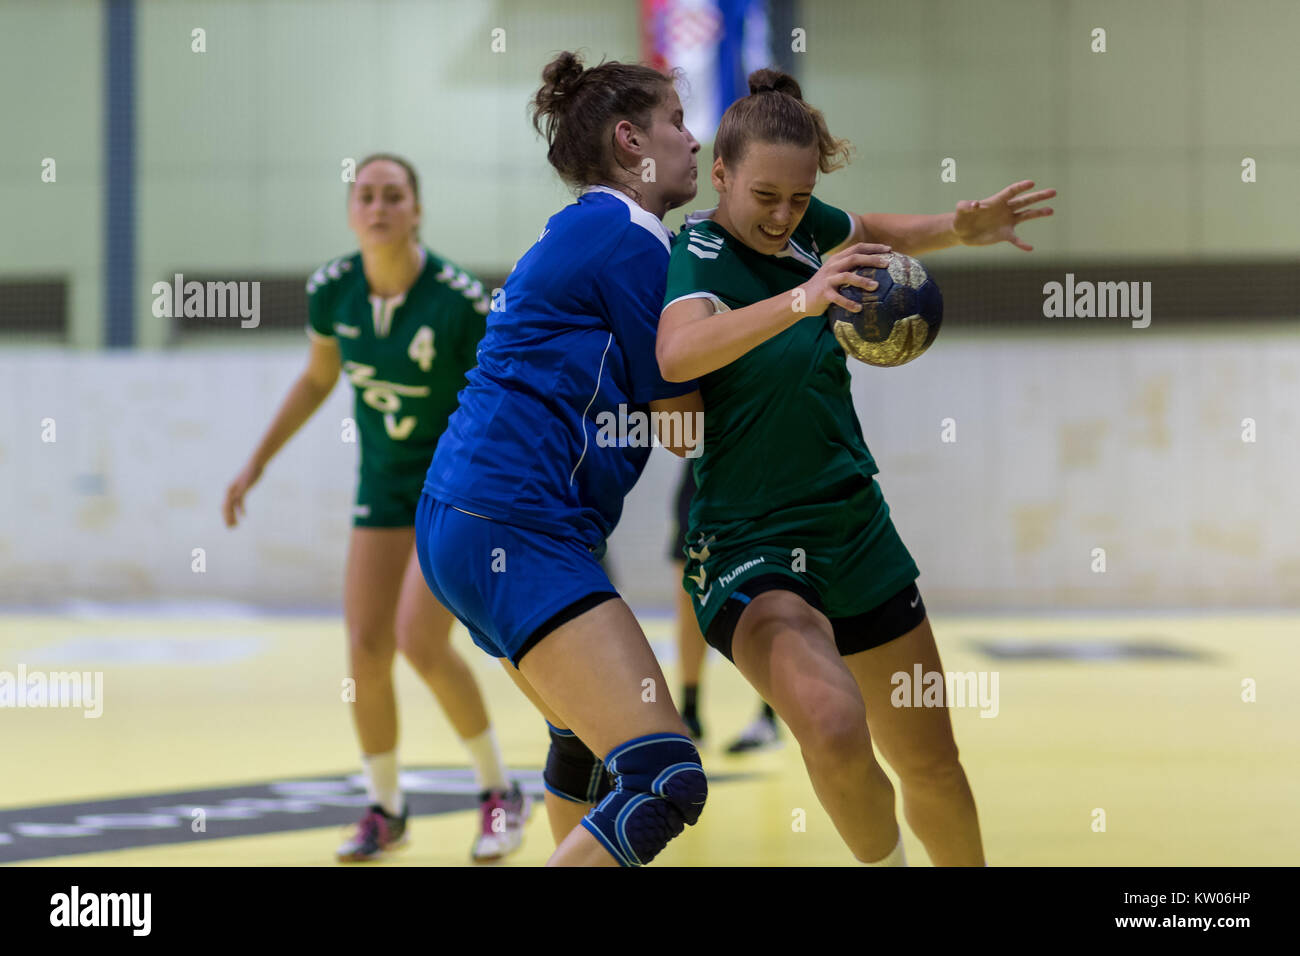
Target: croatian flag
{"points": [[717, 43]]}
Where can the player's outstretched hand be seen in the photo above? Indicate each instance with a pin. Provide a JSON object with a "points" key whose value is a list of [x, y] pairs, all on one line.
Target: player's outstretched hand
{"points": [[822, 290], [233, 507], [986, 221]]}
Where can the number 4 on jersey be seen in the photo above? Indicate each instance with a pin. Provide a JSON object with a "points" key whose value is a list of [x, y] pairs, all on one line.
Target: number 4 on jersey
{"points": [[422, 351]]}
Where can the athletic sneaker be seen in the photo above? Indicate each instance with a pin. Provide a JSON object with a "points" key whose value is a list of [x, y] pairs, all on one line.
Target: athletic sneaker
{"points": [[377, 833], [503, 815], [760, 735]]}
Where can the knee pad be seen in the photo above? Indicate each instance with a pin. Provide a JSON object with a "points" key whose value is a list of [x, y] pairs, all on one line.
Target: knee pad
{"points": [[572, 771], [659, 790]]}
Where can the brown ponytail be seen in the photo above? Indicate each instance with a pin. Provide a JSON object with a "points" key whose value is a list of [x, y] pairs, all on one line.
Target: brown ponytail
{"points": [[576, 108], [774, 112]]}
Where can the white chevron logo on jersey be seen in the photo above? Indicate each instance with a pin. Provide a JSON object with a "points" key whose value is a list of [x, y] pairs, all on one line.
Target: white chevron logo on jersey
{"points": [[330, 271], [703, 246]]}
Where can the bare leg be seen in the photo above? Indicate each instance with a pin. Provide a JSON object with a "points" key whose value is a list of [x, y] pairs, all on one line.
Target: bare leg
{"points": [[919, 745], [598, 674], [372, 582], [563, 815], [424, 637], [786, 650]]}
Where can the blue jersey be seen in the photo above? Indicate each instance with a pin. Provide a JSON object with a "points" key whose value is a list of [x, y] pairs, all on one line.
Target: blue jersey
{"points": [[572, 343]]}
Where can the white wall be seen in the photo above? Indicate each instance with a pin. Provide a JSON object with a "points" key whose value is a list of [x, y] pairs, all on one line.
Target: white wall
{"points": [[1074, 443], [1064, 444]]}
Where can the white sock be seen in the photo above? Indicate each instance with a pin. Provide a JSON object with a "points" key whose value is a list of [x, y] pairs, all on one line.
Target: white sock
{"points": [[895, 857], [485, 753], [381, 781]]}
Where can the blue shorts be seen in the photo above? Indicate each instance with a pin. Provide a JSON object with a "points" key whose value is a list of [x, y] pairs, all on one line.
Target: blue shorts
{"points": [[509, 586]]}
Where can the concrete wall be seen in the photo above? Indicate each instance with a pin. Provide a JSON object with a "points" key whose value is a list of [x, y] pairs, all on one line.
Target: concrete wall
{"points": [[1063, 444]]}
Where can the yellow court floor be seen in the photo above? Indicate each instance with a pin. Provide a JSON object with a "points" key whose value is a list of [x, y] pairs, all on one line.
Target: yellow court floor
{"points": [[1117, 740]]}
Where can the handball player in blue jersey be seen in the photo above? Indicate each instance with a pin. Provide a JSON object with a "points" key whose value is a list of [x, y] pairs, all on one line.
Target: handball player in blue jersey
{"points": [[525, 485]]}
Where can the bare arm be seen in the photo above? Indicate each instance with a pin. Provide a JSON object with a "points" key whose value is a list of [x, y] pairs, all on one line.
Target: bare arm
{"points": [[308, 392], [910, 235], [693, 341], [679, 422], [981, 222]]}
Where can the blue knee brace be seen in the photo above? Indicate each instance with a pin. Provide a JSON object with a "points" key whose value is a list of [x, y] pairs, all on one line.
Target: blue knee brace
{"points": [[660, 790]]}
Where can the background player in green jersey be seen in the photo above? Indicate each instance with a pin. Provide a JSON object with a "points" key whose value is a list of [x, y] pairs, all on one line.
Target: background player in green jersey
{"points": [[403, 326], [795, 569]]}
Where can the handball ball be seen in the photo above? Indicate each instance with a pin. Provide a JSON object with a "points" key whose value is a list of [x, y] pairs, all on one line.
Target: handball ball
{"points": [[900, 318]]}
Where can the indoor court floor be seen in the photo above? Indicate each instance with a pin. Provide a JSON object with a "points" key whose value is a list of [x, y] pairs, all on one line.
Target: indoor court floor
{"points": [[223, 739]]}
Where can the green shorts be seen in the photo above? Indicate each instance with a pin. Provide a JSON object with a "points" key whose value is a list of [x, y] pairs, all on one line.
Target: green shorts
{"points": [[844, 547], [388, 499]]}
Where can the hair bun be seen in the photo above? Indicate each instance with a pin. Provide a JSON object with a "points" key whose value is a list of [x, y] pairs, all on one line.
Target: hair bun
{"points": [[774, 81], [562, 74]]}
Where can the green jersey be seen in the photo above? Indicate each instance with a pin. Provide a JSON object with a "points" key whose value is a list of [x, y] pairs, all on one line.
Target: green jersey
{"points": [[406, 357], [778, 421]]}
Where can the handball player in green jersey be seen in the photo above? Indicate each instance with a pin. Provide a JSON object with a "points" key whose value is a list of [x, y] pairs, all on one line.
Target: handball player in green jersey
{"points": [[403, 325], [793, 565]]}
